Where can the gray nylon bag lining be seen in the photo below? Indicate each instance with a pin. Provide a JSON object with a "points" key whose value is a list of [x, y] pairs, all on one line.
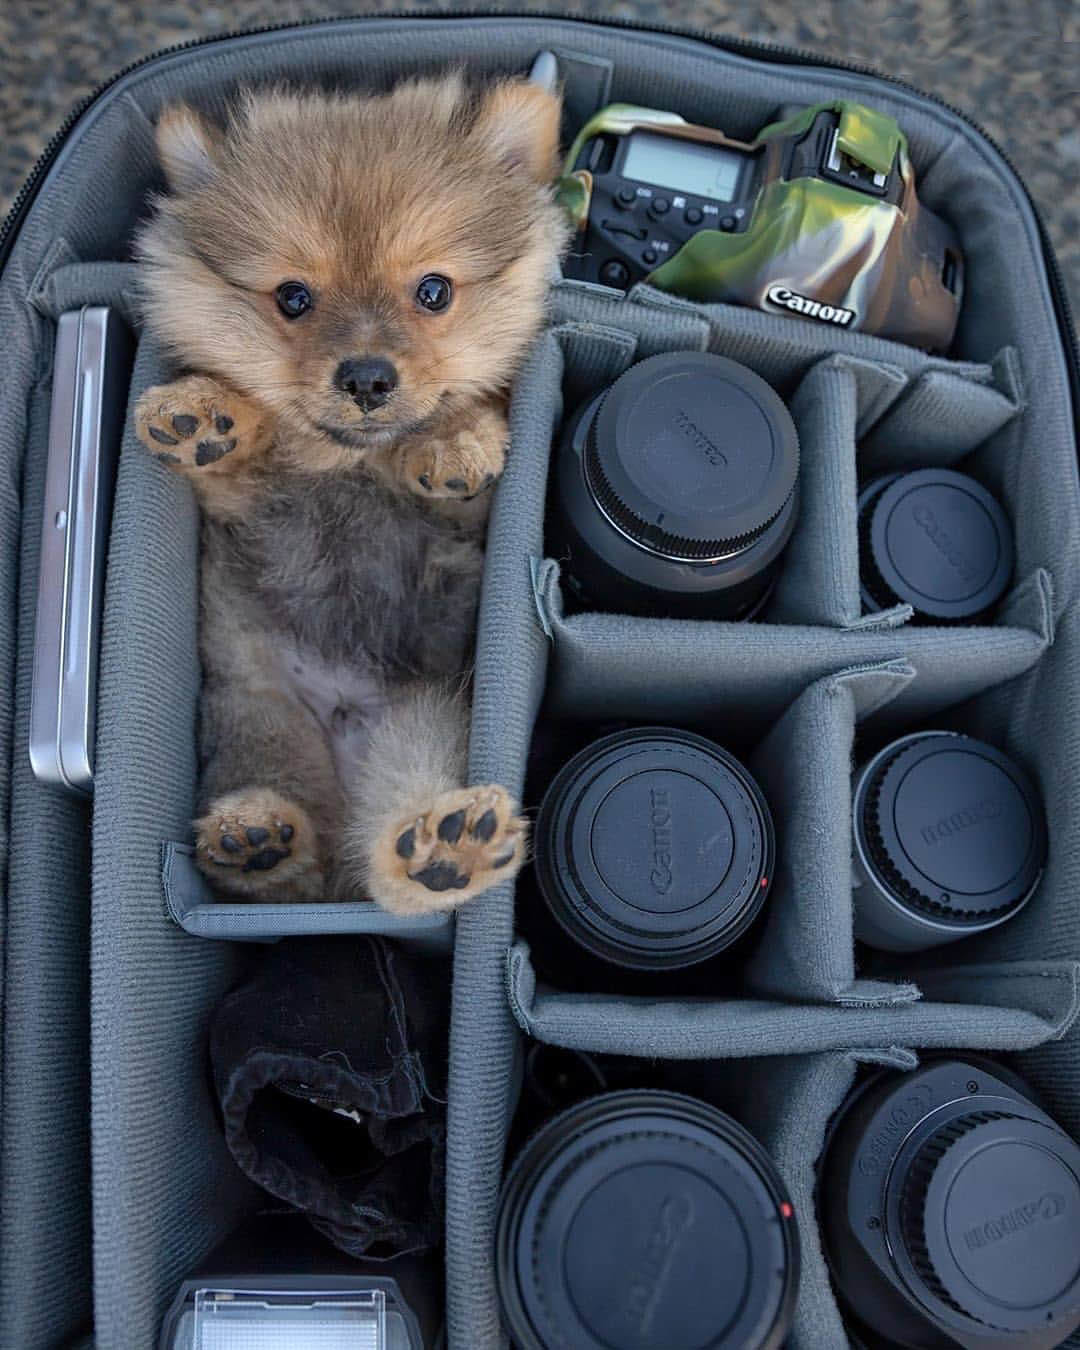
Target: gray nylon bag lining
{"points": [[163, 1189]]}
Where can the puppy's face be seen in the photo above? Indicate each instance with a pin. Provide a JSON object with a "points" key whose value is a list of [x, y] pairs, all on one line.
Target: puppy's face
{"points": [[359, 265]]}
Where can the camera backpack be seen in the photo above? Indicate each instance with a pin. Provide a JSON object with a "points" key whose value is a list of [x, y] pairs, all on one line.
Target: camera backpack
{"points": [[115, 1178]]}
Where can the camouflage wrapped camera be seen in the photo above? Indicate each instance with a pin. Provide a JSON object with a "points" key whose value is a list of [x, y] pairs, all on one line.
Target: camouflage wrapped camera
{"points": [[818, 217]]}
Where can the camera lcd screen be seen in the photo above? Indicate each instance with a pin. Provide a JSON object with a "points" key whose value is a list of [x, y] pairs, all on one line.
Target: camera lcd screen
{"points": [[682, 166]]}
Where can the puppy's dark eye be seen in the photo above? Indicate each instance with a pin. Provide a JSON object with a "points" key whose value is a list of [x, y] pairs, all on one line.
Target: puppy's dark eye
{"points": [[293, 299], [434, 293]]}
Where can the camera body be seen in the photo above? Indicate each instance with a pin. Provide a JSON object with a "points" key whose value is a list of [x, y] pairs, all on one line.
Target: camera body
{"points": [[818, 217]]}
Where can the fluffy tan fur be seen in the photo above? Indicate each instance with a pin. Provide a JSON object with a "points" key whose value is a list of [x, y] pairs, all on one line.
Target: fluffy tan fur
{"points": [[359, 198], [342, 544]]}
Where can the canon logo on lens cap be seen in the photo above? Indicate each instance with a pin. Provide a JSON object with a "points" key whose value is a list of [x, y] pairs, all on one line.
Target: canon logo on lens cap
{"points": [[674, 1219], [924, 517], [1051, 1206], [964, 819], [660, 823]]}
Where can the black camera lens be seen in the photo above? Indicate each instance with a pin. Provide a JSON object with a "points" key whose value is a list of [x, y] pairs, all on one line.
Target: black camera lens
{"points": [[676, 490], [950, 1207], [936, 540], [646, 1221], [654, 849], [950, 840]]}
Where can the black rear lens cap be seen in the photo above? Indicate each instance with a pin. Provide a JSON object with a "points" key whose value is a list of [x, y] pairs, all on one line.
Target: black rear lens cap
{"points": [[951, 835], [936, 540], [692, 456], [646, 1221], [654, 849], [977, 1182]]}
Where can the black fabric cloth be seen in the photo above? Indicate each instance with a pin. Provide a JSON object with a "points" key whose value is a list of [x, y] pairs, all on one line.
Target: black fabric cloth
{"points": [[330, 1067]]}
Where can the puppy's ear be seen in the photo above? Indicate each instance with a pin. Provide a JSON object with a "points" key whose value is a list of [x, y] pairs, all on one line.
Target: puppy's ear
{"points": [[520, 123], [187, 146]]}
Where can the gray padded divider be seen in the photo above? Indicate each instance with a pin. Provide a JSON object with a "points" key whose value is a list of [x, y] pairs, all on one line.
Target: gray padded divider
{"points": [[819, 578], [1034, 1009], [781, 348], [191, 904], [787, 1104], [944, 416], [506, 698], [164, 1186], [807, 949], [606, 665]]}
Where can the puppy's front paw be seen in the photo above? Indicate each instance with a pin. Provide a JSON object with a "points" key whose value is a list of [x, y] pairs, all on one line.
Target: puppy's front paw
{"points": [[259, 845], [466, 841], [458, 466], [197, 425]]}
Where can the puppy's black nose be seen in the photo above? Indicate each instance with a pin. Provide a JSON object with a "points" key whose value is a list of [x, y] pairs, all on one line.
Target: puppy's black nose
{"points": [[368, 380]]}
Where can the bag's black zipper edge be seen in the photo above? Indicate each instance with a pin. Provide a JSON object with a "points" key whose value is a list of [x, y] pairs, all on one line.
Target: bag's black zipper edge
{"points": [[764, 51]]}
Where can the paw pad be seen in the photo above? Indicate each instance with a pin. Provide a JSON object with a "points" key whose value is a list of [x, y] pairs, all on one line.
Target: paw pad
{"points": [[451, 826], [209, 452], [251, 848], [189, 418], [442, 876], [467, 836], [459, 466], [485, 827]]}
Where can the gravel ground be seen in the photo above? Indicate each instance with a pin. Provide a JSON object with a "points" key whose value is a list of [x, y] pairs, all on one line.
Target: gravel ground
{"points": [[1014, 68]]}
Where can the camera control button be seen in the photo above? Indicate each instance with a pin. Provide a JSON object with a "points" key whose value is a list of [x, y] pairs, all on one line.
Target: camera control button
{"points": [[626, 197], [727, 222], [615, 273], [693, 215], [659, 206], [649, 256], [623, 227]]}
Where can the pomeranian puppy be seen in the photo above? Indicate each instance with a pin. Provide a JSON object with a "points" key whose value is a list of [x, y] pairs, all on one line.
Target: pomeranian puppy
{"points": [[351, 282]]}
